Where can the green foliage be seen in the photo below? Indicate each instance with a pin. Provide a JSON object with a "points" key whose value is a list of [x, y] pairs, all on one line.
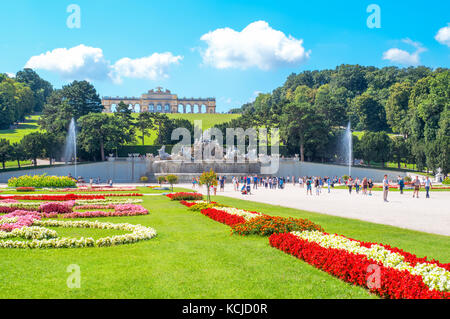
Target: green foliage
{"points": [[446, 181], [41, 89], [375, 147], [161, 180], [208, 179], [40, 181], [5, 151], [172, 179]]}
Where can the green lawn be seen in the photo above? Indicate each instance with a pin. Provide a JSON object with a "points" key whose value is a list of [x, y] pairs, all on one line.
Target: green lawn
{"points": [[196, 257], [29, 126]]}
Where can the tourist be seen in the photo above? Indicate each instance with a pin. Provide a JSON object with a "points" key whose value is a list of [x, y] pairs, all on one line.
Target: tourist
{"points": [[401, 184], [301, 182], [365, 183], [288, 179], [385, 188], [308, 186], [255, 182], [293, 180], [416, 184], [329, 185], [320, 184], [91, 181], [350, 184], [194, 182], [316, 186], [428, 186], [370, 185], [110, 182], [222, 183]]}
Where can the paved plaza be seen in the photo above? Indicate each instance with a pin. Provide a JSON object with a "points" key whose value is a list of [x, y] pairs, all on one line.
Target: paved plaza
{"points": [[428, 215]]}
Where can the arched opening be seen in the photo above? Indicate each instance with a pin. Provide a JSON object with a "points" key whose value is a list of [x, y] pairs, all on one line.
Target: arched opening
{"points": [[181, 108], [203, 108], [167, 108], [159, 108], [137, 108], [196, 108], [189, 108], [113, 108], [131, 107], [151, 108]]}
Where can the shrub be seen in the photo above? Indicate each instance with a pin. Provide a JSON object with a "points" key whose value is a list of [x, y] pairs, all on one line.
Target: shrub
{"points": [[408, 179], [265, 225], [144, 179], [185, 196], [446, 181], [25, 189], [41, 181]]}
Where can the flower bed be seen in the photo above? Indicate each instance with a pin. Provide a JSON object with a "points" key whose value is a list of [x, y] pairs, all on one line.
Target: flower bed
{"points": [[25, 189], [17, 220], [351, 261], [41, 181], [138, 233], [97, 189], [185, 196], [119, 210], [223, 217], [265, 225], [56, 198]]}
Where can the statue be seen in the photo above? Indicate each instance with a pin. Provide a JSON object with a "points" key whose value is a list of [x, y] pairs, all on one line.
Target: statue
{"points": [[162, 153], [439, 176]]}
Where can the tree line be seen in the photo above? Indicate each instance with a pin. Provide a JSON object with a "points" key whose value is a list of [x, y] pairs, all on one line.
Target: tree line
{"points": [[312, 108]]}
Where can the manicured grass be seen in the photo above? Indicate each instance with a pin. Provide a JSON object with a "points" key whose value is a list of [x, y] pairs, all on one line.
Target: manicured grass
{"points": [[196, 257], [29, 126], [141, 189]]}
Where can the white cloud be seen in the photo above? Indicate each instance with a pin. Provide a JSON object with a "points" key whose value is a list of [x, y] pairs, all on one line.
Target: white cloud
{"points": [[399, 56], [80, 62], [443, 35], [84, 62], [11, 75], [257, 45], [153, 67]]}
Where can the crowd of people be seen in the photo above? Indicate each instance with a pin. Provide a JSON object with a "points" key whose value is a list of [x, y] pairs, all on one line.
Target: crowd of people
{"points": [[247, 184]]}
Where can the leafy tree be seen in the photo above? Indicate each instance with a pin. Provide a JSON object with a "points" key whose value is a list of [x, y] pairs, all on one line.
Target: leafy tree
{"points": [[400, 150], [376, 147], [33, 144], [172, 179], [52, 145], [370, 113], [145, 124], [161, 180], [158, 120], [56, 117], [40, 88], [5, 151], [397, 107], [18, 153], [170, 125], [208, 179]]}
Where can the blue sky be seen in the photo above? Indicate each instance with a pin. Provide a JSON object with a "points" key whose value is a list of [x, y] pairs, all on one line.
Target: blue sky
{"points": [[199, 48]]}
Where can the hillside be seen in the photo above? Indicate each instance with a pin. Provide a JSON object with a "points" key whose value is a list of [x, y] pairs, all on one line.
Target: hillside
{"points": [[31, 125]]}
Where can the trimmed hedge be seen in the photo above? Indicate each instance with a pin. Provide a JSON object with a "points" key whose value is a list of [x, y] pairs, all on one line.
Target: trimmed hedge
{"points": [[41, 181]]}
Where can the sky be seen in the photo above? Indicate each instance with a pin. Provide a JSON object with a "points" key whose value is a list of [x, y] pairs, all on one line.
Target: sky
{"points": [[230, 50]]}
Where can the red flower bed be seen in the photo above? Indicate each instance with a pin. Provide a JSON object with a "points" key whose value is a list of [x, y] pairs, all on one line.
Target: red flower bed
{"points": [[123, 195], [185, 196], [223, 217], [353, 268], [56, 207], [187, 204], [56, 198]]}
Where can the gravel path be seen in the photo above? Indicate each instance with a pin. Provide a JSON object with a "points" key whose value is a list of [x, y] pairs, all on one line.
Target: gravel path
{"points": [[428, 215]]}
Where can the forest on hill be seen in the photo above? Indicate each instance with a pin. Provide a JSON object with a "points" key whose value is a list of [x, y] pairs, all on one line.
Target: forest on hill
{"points": [[312, 107]]}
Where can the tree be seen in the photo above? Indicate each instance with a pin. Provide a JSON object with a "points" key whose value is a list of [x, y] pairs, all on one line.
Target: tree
{"points": [[159, 119], [5, 151], [56, 117], [370, 113], [172, 179], [400, 150], [144, 123], [161, 180], [100, 132], [208, 179], [332, 105], [33, 144], [397, 107], [18, 153], [376, 147], [52, 145], [40, 88]]}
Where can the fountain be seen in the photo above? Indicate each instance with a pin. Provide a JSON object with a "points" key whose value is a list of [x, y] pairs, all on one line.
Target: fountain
{"points": [[70, 151], [347, 148]]}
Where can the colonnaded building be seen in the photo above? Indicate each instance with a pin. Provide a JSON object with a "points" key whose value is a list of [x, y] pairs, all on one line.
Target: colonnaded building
{"points": [[161, 102]]}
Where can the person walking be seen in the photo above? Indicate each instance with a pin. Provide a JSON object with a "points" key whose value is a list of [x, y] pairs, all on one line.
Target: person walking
{"points": [[416, 184], [365, 183], [357, 185], [350, 185], [329, 184], [428, 186], [385, 188], [316, 186], [401, 184], [370, 185], [308, 185]]}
